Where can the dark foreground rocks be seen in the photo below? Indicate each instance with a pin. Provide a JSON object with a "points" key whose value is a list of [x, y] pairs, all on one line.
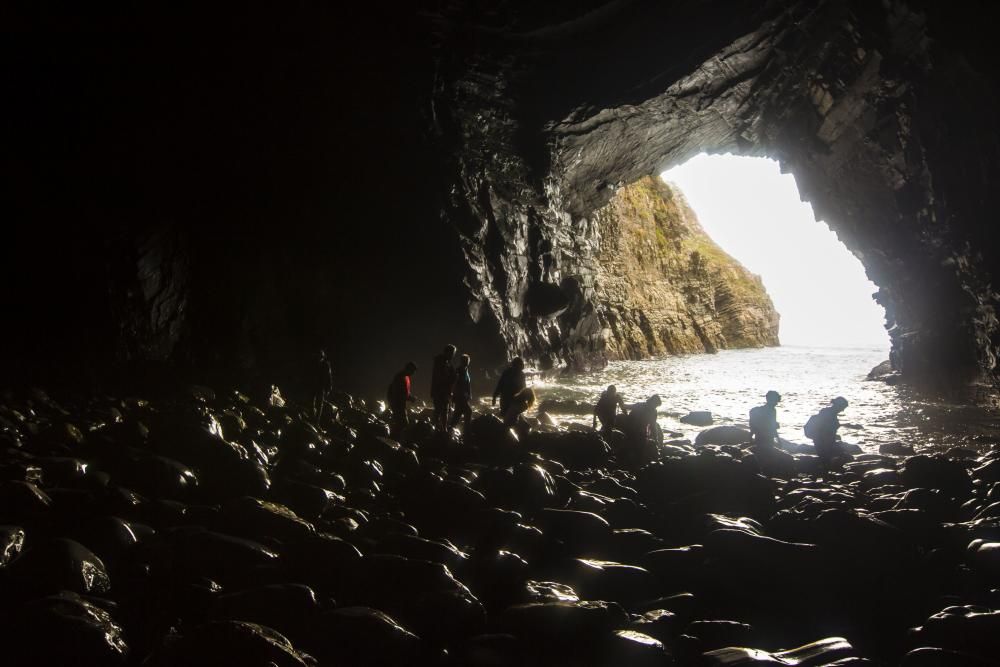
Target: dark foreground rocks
{"points": [[212, 530]]}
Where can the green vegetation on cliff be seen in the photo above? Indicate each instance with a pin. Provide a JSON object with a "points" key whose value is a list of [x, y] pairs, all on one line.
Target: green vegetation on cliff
{"points": [[664, 287]]}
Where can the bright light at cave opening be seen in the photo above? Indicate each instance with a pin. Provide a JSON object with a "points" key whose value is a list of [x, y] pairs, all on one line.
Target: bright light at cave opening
{"points": [[754, 212]]}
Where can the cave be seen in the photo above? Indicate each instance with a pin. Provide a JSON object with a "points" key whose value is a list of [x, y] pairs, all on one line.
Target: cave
{"points": [[225, 203], [198, 199]]}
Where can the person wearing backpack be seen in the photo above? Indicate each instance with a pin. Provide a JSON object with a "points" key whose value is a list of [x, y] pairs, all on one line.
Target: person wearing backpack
{"points": [[764, 421], [822, 430]]}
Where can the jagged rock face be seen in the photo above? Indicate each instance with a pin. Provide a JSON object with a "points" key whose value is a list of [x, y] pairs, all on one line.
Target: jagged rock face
{"points": [[662, 286], [235, 202], [875, 109]]}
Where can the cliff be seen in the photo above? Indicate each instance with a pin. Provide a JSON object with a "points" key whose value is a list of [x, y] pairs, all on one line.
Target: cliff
{"points": [[662, 286]]}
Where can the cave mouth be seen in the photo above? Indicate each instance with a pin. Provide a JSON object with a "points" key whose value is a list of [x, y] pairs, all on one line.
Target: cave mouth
{"points": [[756, 214]]}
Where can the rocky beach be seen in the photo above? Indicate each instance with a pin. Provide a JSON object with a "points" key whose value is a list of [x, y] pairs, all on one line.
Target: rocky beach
{"points": [[215, 529]]}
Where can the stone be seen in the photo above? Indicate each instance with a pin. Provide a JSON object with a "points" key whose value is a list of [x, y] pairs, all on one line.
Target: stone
{"points": [[936, 472], [64, 629], [60, 564], [361, 636], [697, 418], [722, 435], [11, 544], [823, 652], [283, 607], [563, 621], [232, 642], [253, 517]]}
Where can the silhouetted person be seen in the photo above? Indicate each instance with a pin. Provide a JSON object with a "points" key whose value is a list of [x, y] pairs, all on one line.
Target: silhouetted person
{"points": [[822, 430], [519, 403], [462, 393], [642, 433], [320, 383], [764, 421], [442, 383], [398, 395], [511, 381], [607, 408]]}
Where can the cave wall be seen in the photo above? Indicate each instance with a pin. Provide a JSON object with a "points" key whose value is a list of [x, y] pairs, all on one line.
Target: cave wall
{"points": [[191, 190], [880, 111]]}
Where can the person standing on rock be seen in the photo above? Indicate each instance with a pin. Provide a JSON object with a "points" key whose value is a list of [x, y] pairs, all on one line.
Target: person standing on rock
{"points": [[642, 434], [442, 384], [607, 409], [398, 395], [321, 384], [519, 403], [462, 394], [822, 430], [764, 421], [511, 381]]}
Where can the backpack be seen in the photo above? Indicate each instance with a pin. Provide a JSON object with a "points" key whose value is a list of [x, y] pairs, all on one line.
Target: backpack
{"points": [[758, 419], [813, 427]]}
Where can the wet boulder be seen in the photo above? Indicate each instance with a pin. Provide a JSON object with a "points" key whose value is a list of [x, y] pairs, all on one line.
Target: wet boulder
{"points": [[228, 642], [967, 629], [937, 472], [306, 500], [629, 647], [660, 624], [534, 486], [361, 637], [896, 448], [723, 435], [698, 418], [823, 652], [11, 544], [583, 533], [63, 629], [110, 537], [574, 449], [677, 567], [563, 621], [411, 546], [223, 557], [707, 483], [60, 564], [159, 476], [323, 561], [253, 517], [607, 580], [927, 656], [283, 607], [22, 501]]}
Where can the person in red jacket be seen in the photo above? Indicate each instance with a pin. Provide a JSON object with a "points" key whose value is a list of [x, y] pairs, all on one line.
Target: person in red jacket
{"points": [[398, 395]]}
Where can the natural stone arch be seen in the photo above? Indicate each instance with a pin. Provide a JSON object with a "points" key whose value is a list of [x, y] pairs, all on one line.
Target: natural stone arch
{"points": [[873, 112]]}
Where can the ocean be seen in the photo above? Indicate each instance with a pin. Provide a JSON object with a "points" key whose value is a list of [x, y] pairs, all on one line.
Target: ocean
{"points": [[731, 382]]}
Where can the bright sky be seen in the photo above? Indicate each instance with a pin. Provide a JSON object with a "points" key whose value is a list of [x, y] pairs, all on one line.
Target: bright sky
{"points": [[754, 212]]}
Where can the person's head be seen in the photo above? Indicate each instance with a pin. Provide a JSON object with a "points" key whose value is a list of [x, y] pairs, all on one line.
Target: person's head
{"points": [[517, 363], [654, 401], [321, 354], [772, 397], [612, 390], [449, 351], [839, 403], [464, 361], [410, 368]]}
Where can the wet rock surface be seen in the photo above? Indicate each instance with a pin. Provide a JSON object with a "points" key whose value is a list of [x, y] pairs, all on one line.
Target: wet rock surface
{"points": [[492, 550]]}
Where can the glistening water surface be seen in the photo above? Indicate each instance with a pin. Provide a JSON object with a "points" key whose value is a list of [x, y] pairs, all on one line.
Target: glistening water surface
{"points": [[731, 382]]}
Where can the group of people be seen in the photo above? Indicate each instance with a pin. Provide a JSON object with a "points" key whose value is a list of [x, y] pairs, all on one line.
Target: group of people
{"points": [[640, 426], [821, 428], [451, 392]]}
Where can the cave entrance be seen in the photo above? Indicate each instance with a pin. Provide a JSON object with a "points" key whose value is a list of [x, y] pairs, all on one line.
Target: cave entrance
{"points": [[755, 213]]}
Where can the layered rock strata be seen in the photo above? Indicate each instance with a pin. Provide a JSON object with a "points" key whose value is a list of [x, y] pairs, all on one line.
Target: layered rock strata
{"points": [[662, 286]]}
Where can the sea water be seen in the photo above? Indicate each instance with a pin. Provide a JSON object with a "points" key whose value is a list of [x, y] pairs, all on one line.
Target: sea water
{"points": [[731, 382]]}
